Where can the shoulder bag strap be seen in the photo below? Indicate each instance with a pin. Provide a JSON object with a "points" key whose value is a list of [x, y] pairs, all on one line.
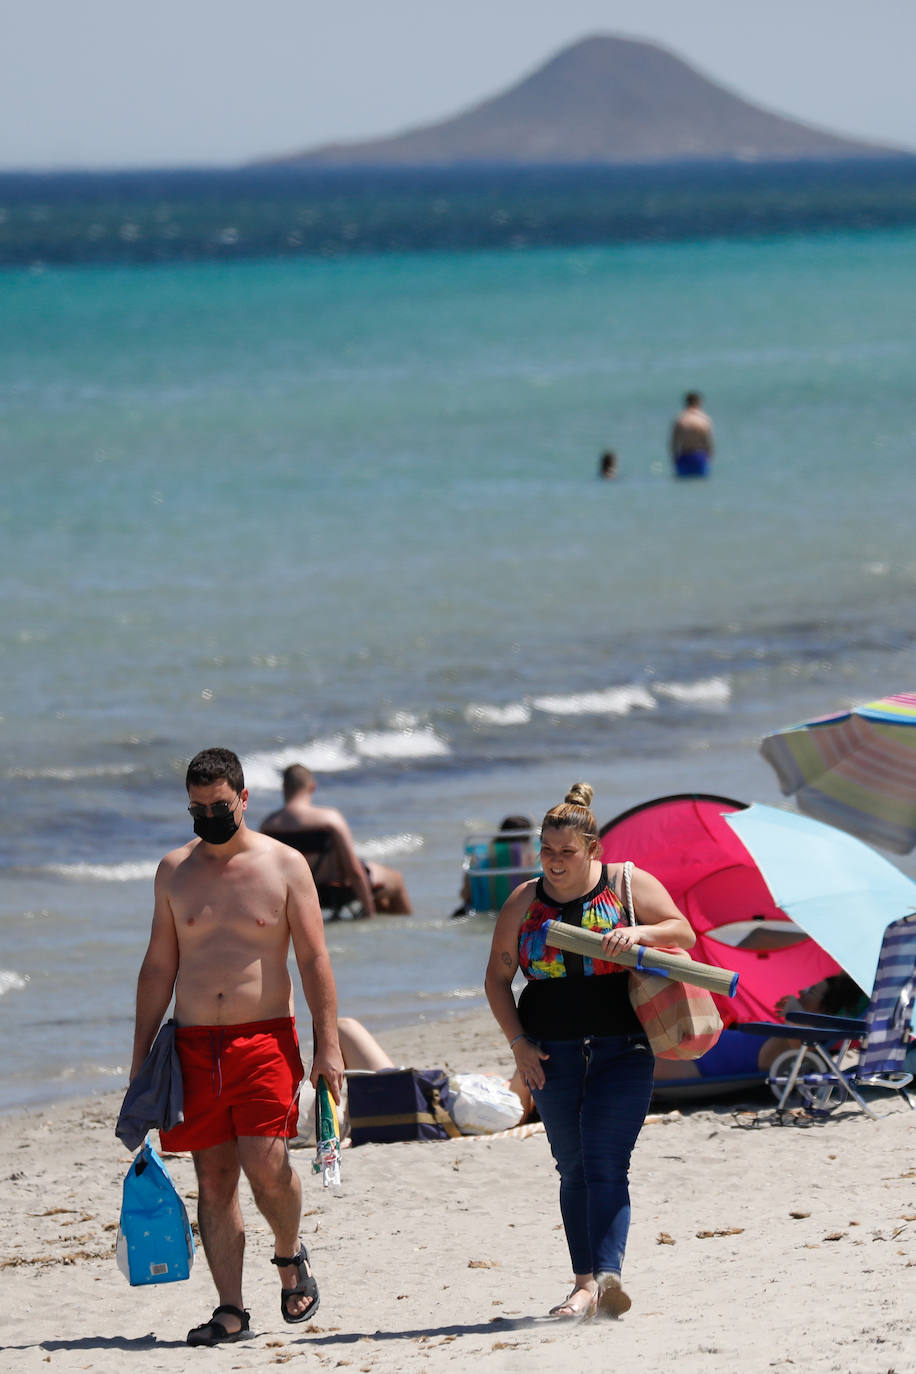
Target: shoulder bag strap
{"points": [[628, 889]]}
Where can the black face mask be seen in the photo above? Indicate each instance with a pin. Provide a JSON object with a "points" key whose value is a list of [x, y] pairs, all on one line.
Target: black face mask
{"points": [[215, 829]]}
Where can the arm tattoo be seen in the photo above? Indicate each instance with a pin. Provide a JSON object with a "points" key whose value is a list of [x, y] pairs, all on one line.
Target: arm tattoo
{"points": [[506, 958]]}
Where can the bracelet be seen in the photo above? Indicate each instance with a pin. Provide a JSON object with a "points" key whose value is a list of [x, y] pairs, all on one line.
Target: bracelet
{"points": [[523, 1036]]}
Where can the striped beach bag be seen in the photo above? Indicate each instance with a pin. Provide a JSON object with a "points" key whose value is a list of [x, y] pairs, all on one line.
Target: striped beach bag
{"points": [[681, 1021]]}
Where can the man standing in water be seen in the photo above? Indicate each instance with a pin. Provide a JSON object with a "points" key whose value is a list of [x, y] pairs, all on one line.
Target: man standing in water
{"points": [[692, 444], [227, 905]]}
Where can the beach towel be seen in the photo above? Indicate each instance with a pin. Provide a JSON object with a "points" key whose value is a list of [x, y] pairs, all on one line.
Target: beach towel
{"points": [[154, 1098]]}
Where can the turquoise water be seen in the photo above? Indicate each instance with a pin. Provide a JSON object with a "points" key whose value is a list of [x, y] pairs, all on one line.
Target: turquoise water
{"points": [[346, 511]]}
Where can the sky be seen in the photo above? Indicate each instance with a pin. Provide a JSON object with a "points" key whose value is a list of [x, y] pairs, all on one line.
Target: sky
{"points": [[116, 83]]}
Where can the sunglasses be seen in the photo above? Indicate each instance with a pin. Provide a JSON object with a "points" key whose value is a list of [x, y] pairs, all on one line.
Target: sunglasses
{"points": [[218, 811]]}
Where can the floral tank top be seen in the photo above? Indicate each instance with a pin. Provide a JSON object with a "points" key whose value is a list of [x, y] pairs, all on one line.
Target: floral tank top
{"points": [[569, 996], [600, 910]]}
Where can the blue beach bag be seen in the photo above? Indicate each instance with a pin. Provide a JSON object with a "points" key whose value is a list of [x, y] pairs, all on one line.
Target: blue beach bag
{"points": [[155, 1244]]}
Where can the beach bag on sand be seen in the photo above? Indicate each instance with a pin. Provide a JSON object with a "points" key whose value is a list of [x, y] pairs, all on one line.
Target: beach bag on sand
{"points": [[681, 1021], [399, 1104], [155, 1244]]}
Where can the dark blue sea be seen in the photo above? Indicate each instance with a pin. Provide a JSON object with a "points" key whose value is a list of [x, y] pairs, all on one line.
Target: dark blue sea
{"points": [[281, 211]]}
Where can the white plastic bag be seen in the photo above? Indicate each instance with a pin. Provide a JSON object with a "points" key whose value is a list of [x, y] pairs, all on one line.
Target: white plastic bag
{"points": [[483, 1104]]}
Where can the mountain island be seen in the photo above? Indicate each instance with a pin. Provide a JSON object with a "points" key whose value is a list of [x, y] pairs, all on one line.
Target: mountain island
{"points": [[602, 101]]}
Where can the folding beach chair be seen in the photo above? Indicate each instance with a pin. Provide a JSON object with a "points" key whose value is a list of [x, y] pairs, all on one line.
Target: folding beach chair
{"points": [[815, 1073], [495, 865], [319, 847]]}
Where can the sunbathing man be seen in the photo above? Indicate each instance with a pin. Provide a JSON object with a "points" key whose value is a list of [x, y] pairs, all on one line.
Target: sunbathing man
{"points": [[227, 905], [376, 887]]}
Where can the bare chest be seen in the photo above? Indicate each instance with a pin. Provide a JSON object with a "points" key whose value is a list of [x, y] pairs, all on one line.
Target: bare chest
{"points": [[235, 901]]}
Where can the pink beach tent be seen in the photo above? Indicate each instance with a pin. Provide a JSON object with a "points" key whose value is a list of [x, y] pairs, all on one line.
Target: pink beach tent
{"points": [[685, 842]]}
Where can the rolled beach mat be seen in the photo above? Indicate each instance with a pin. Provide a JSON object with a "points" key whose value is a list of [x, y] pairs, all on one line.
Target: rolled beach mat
{"points": [[684, 970]]}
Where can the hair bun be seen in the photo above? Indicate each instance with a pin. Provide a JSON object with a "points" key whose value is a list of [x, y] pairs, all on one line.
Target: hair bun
{"points": [[580, 794]]}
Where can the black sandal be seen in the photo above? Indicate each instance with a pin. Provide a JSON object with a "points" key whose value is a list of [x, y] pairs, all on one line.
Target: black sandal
{"points": [[307, 1287], [214, 1332]]}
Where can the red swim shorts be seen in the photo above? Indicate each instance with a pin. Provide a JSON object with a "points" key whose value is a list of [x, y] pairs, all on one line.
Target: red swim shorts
{"points": [[238, 1080]]}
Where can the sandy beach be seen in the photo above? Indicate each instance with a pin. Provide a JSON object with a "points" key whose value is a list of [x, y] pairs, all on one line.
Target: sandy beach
{"points": [[753, 1247]]}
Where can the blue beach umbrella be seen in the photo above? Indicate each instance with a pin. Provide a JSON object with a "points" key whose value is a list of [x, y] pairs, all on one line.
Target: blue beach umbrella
{"points": [[836, 888]]}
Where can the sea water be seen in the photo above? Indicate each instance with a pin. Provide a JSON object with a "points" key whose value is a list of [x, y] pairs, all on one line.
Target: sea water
{"points": [[345, 511]]}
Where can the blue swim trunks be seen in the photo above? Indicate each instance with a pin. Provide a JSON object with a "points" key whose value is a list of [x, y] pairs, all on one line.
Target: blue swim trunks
{"points": [[692, 464]]}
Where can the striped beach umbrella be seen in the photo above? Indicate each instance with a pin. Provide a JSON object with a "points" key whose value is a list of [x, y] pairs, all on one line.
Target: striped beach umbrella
{"points": [[855, 770]]}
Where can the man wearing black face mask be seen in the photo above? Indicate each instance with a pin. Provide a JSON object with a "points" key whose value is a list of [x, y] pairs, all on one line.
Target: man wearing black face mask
{"points": [[227, 906]]}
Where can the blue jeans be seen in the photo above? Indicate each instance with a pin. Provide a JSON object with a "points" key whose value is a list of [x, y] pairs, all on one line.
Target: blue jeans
{"points": [[593, 1105]]}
